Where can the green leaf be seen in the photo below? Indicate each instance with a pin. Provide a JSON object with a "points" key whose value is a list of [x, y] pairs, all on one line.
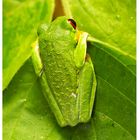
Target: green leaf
{"points": [[26, 114], [115, 96], [21, 19]]}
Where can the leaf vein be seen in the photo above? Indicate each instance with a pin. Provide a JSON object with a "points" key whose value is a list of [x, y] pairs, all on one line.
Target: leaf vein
{"points": [[98, 112], [123, 95]]}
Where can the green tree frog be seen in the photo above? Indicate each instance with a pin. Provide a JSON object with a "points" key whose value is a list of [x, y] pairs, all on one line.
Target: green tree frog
{"points": [[65, 71]]}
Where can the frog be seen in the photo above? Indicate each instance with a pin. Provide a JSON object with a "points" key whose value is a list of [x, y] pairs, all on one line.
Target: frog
{"points": [[65, 70]]}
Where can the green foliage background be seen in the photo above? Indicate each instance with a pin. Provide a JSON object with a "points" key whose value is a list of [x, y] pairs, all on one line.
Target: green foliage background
{"points": [[26, 114]]}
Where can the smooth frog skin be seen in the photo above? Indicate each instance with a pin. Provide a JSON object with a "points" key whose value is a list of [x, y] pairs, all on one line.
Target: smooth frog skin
{"points": [[66, 71]]}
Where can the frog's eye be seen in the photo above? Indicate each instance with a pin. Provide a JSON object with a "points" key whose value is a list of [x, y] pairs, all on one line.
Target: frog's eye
{"points": [[72, 22]]}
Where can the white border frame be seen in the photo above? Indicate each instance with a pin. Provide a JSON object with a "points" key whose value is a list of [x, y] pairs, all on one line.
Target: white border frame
{"points": [[138, 67]]}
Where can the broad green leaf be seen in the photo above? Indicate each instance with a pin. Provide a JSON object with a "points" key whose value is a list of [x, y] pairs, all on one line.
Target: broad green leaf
{"points": [[26, 114], [20, 22], [115, 96]]}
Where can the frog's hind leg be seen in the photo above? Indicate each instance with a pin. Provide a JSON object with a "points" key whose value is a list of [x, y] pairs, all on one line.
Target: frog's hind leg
{"points": [[86, 90], [39, 70]]}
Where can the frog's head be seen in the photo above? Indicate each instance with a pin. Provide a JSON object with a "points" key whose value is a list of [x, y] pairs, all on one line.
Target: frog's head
{"points": [[64, 23], [62, 28]]}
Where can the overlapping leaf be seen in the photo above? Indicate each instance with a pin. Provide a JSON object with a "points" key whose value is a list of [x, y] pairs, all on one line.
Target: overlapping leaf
{"points": [[21, 19]]}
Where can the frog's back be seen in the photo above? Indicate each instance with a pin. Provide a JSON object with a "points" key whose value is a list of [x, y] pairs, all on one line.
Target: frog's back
{"points": [[61, 73], [60, 69]]}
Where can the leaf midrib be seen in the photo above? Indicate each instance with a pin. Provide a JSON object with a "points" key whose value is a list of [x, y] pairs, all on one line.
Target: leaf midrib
{"points": [[113, 56]]}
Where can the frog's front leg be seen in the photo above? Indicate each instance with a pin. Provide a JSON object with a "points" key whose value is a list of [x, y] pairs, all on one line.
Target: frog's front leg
{"points": [[38, 66], [80, 50], [86, 78], [86, 90]]}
